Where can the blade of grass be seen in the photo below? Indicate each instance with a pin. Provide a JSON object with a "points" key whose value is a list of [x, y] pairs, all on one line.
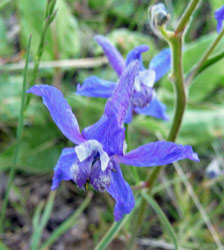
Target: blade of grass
{"points": [[162, 217], [40, 223], [67, 224], [199, 206], [18, 143], [111, 233], [48, 19], [114, 229]]}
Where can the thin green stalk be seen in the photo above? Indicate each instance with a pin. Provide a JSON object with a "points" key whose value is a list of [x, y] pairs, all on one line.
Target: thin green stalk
{"points": [[115, 228], [39, 223], [204, 58], [177, 77], [162, 217], [186, 16], [111, 233], [67, 224], [175, 40], [48, 18], [18, 143]]}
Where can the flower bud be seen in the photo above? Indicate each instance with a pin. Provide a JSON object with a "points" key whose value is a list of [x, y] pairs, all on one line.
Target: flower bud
{"points": [[158, 16]]}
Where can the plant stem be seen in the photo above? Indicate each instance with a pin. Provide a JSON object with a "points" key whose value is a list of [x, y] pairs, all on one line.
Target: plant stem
{"points": [[175, 43], [204, 58], [175, 40], [48, 18], [18, 143], [186, 16]]}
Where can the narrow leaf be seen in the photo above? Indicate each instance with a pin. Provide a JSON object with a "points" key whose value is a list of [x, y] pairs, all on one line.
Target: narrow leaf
{"points": [[162, 217]]}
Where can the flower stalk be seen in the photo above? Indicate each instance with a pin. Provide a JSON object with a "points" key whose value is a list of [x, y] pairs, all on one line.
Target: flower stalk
{"points": [[175, 41], [19, 134]]}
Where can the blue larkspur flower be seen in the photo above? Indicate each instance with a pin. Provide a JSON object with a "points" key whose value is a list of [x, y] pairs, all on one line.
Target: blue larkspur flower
{"points": [[219, 16], [144, 99], [100, 147]]}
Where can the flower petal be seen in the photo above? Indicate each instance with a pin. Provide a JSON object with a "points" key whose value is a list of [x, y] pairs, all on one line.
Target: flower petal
{"points": [[108, 133], [100, 179], [87, 148], [136, 54], [122, 94], [128, 117], [120, 190], [161, 63], [60, 111], [81, 171], [108, 130], [113, 55], [155, 109], [96, 87], [219, 16], [158, 153], [69, 168], [63, 169]]}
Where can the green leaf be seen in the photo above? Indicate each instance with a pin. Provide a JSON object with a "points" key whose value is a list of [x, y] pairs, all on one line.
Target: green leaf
{"points": [[65, 32], [162, 217], [212, 77]]}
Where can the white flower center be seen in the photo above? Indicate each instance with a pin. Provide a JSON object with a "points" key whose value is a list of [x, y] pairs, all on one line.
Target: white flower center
{"points": [[85, 149]]}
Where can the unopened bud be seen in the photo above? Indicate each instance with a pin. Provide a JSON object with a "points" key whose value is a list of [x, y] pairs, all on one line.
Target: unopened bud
{"points": [[158, 16]]}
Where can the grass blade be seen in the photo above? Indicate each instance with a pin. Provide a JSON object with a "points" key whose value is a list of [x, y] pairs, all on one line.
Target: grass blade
{"points": [[200, 208], [114, 229], [67, 224], [39, 223], [162, 217], [19, 138]]}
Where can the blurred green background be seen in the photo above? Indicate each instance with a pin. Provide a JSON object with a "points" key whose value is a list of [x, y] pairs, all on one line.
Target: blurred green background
{"points": [[71, 36]]}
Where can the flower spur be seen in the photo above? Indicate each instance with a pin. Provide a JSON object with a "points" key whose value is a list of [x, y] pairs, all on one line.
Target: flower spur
{"points": [[144, 99], [99, 150]]}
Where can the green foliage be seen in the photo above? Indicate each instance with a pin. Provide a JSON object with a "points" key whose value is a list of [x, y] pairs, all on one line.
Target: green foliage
{"points": [[125, 24], [63, 37]]}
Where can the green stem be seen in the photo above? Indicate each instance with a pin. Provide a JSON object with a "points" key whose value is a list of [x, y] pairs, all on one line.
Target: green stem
{"points": [[186, 16], [111, 233], [204, 58], [19, 139], [175, 41], [177, 78], [48, 18]]}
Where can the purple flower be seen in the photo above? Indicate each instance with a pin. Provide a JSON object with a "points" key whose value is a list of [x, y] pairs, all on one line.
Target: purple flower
{"points": [[144, 99], [99, 150], [219, 16]]}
